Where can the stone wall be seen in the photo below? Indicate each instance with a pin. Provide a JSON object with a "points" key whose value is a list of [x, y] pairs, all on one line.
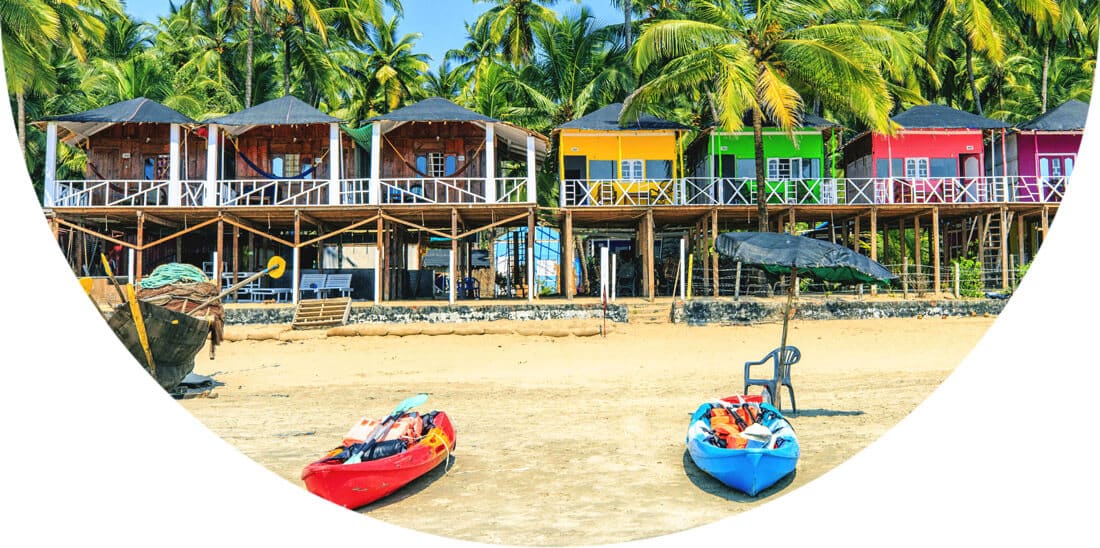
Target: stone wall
{"points": [[705, 311], [436, 313]]}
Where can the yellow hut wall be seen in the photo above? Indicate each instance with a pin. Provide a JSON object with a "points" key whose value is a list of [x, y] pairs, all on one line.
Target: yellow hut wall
{"points": [[618, 146]]}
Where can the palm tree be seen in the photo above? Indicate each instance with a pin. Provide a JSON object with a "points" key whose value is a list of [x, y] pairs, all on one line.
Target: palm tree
{"points": [[762, 57], [509, 23], [391, 69], [31, 27], [445, 82]]}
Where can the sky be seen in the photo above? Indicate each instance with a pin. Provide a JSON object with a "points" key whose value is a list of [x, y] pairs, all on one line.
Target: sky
{"points": [[441, 22]]}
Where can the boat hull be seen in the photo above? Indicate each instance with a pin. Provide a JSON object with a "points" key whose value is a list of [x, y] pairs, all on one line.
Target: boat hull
{"points": [[174, 340], [749, 470], [356, 485]]}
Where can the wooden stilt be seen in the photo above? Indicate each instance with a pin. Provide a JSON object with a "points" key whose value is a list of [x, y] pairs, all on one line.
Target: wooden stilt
{"points": [[904, 256], [567, 253], [917, 254], [454, 252], [140, 251], [1004, 246], [236, 258], [857, 235], [874, 243], [936, 278], [650, 261], [714, 251], [1020, 247], [379, 226]]}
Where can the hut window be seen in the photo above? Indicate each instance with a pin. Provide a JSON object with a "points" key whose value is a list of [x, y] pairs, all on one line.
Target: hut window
{"points": [[916, 168], [601, 169], [632, 170], [784, 168], [658, 169], [436, 164]]}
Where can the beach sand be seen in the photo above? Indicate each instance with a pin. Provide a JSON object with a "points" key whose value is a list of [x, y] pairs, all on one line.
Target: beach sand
{"points": [[571, 440]]}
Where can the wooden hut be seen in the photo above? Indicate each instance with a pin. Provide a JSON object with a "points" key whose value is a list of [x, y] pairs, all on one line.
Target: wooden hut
{"points": [[281, 152], [437, 152], [1039, 155], [936, 156], [605, 162], [799, 164], [134, 150]]}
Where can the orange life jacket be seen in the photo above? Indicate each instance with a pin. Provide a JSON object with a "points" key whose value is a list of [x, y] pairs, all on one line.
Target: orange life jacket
{"points": [[729, 434]]}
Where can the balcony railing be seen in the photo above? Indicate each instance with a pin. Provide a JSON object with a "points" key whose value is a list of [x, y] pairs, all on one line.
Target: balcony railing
{"points": [[742, 191], [685, 191]]}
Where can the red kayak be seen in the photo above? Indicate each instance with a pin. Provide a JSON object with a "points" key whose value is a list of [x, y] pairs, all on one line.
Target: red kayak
{"points": [[359, 484]]}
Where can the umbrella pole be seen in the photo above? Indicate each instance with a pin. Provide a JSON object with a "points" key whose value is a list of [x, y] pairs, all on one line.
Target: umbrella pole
{"points": [[783, 339]]}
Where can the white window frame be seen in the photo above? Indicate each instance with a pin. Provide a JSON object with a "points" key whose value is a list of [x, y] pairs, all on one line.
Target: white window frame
{"points": [[632, 170], [916, 164], [792, 165]]}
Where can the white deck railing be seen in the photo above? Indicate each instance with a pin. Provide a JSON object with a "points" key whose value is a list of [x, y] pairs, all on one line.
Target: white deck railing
{"points": [[685, 191]]}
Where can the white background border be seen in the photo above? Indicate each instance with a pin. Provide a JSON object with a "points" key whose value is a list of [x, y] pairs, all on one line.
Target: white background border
{"points": [[95, 453]]}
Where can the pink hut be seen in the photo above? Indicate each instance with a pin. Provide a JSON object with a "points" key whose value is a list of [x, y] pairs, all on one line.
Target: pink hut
{"points": [[1040, 154], [936, 157]]}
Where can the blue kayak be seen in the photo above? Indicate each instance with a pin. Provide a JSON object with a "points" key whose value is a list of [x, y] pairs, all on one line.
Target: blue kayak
{"points": [[770, 454]]}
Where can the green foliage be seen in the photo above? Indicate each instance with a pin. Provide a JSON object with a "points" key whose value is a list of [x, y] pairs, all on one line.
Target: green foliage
{"points": [[970, 277]]}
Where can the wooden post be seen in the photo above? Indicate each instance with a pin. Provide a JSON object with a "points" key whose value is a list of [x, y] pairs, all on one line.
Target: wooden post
{"points": [[856, 236], [220, 246], [1045, 219], [885, 242], [379, 252], [531, 255], [936, 250], [874, 244], [981, 248], [375, 188], [454, 253], [957, 280], [1004, 247], [792, 219], [737, 283], [296, 255], [1020, 239], [713, 250], [917, 254], [236, 257], [567, 254], [905, 276], [650, 260], [140, 245]]}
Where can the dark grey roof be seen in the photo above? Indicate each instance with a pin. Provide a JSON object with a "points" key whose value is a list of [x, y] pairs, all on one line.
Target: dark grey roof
{"points": [[607, 119], [805, 120], [435, 109], [134, 111], [283, 111], [1069, 116], [942, 117]]}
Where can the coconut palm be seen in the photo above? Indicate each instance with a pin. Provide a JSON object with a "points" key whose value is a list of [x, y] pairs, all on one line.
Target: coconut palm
{"points": [[445, 82], [762, 57], [509, 23], [391, 69]]}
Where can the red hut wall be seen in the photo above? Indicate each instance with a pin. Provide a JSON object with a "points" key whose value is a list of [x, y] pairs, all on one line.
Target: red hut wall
{"points": [[928, 144], [120, 152], [263, 144], [465, 142]]}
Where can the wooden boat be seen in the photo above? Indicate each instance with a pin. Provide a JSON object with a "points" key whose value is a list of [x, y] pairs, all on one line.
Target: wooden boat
{"points": [[359, 484], [758, 466], [174, 340]]}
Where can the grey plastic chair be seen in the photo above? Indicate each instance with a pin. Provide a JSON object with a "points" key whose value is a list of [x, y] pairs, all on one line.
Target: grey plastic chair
{"points": [[780, 373]]}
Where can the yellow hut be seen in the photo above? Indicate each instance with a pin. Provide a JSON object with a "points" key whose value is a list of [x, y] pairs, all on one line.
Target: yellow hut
{"points": [[603, 162]]}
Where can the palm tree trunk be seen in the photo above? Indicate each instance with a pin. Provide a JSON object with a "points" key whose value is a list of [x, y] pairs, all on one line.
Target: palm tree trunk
{"points": [[761, 195], [286, 65], [626, 22], [970, 76], [1046, 74], [248, 58], [21, 103]]}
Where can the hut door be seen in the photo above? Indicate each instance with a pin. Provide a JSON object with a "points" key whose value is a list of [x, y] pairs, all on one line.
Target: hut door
{"points": [[970, 170], [575, 167], [103, 164]]}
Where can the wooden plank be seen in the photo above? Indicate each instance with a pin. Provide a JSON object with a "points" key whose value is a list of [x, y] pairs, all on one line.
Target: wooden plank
{"points": [[936, 251], [567, 254]]}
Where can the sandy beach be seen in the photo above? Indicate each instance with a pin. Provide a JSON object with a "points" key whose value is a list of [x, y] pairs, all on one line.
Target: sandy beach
{"points": [[571, 440]]}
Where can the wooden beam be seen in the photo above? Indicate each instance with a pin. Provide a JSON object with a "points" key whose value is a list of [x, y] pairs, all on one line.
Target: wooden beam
{"points": [[236, 256], [856, 236], [1005, 226], [936, 251], [439, 233], [251, 230], [313, 221], [567, 253], [492, 225], [337, 232], [917, 254], [1020, 224], [159, 220], [713, 250], [650, 263], [874, 243], [91, 232], [140, 239], [219, 245], [155, 243]]}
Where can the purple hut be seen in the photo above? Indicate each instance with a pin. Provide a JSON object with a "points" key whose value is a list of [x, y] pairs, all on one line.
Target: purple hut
{"points": [[1039, 155]]}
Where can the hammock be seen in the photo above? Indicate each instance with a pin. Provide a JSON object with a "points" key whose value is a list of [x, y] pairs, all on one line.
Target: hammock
{"points": [[267, 175], [456, 173]]}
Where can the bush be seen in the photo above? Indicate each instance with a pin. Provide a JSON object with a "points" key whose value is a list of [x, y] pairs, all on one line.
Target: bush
{"points": [[970, 277], [1021, 271]]}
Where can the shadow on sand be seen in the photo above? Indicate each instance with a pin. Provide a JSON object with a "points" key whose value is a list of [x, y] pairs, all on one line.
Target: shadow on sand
{"points": [[704, 481], [415, 486]]}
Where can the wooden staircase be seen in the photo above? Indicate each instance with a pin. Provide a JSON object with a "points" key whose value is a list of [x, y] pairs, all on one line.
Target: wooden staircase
{"points": [[316, 313], [649, 313]]}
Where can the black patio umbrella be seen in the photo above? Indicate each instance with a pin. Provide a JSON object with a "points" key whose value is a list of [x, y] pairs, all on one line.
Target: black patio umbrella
{"points": [[779, 253]]}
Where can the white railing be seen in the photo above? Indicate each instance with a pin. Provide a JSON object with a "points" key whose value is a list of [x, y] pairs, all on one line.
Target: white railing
{"points": [[109, 193], [424, 190], [511, 189], [266, 192], [354, 191]]}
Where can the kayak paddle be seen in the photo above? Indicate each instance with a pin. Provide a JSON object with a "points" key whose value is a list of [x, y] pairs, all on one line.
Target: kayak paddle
{"points": [[383, 428]]}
